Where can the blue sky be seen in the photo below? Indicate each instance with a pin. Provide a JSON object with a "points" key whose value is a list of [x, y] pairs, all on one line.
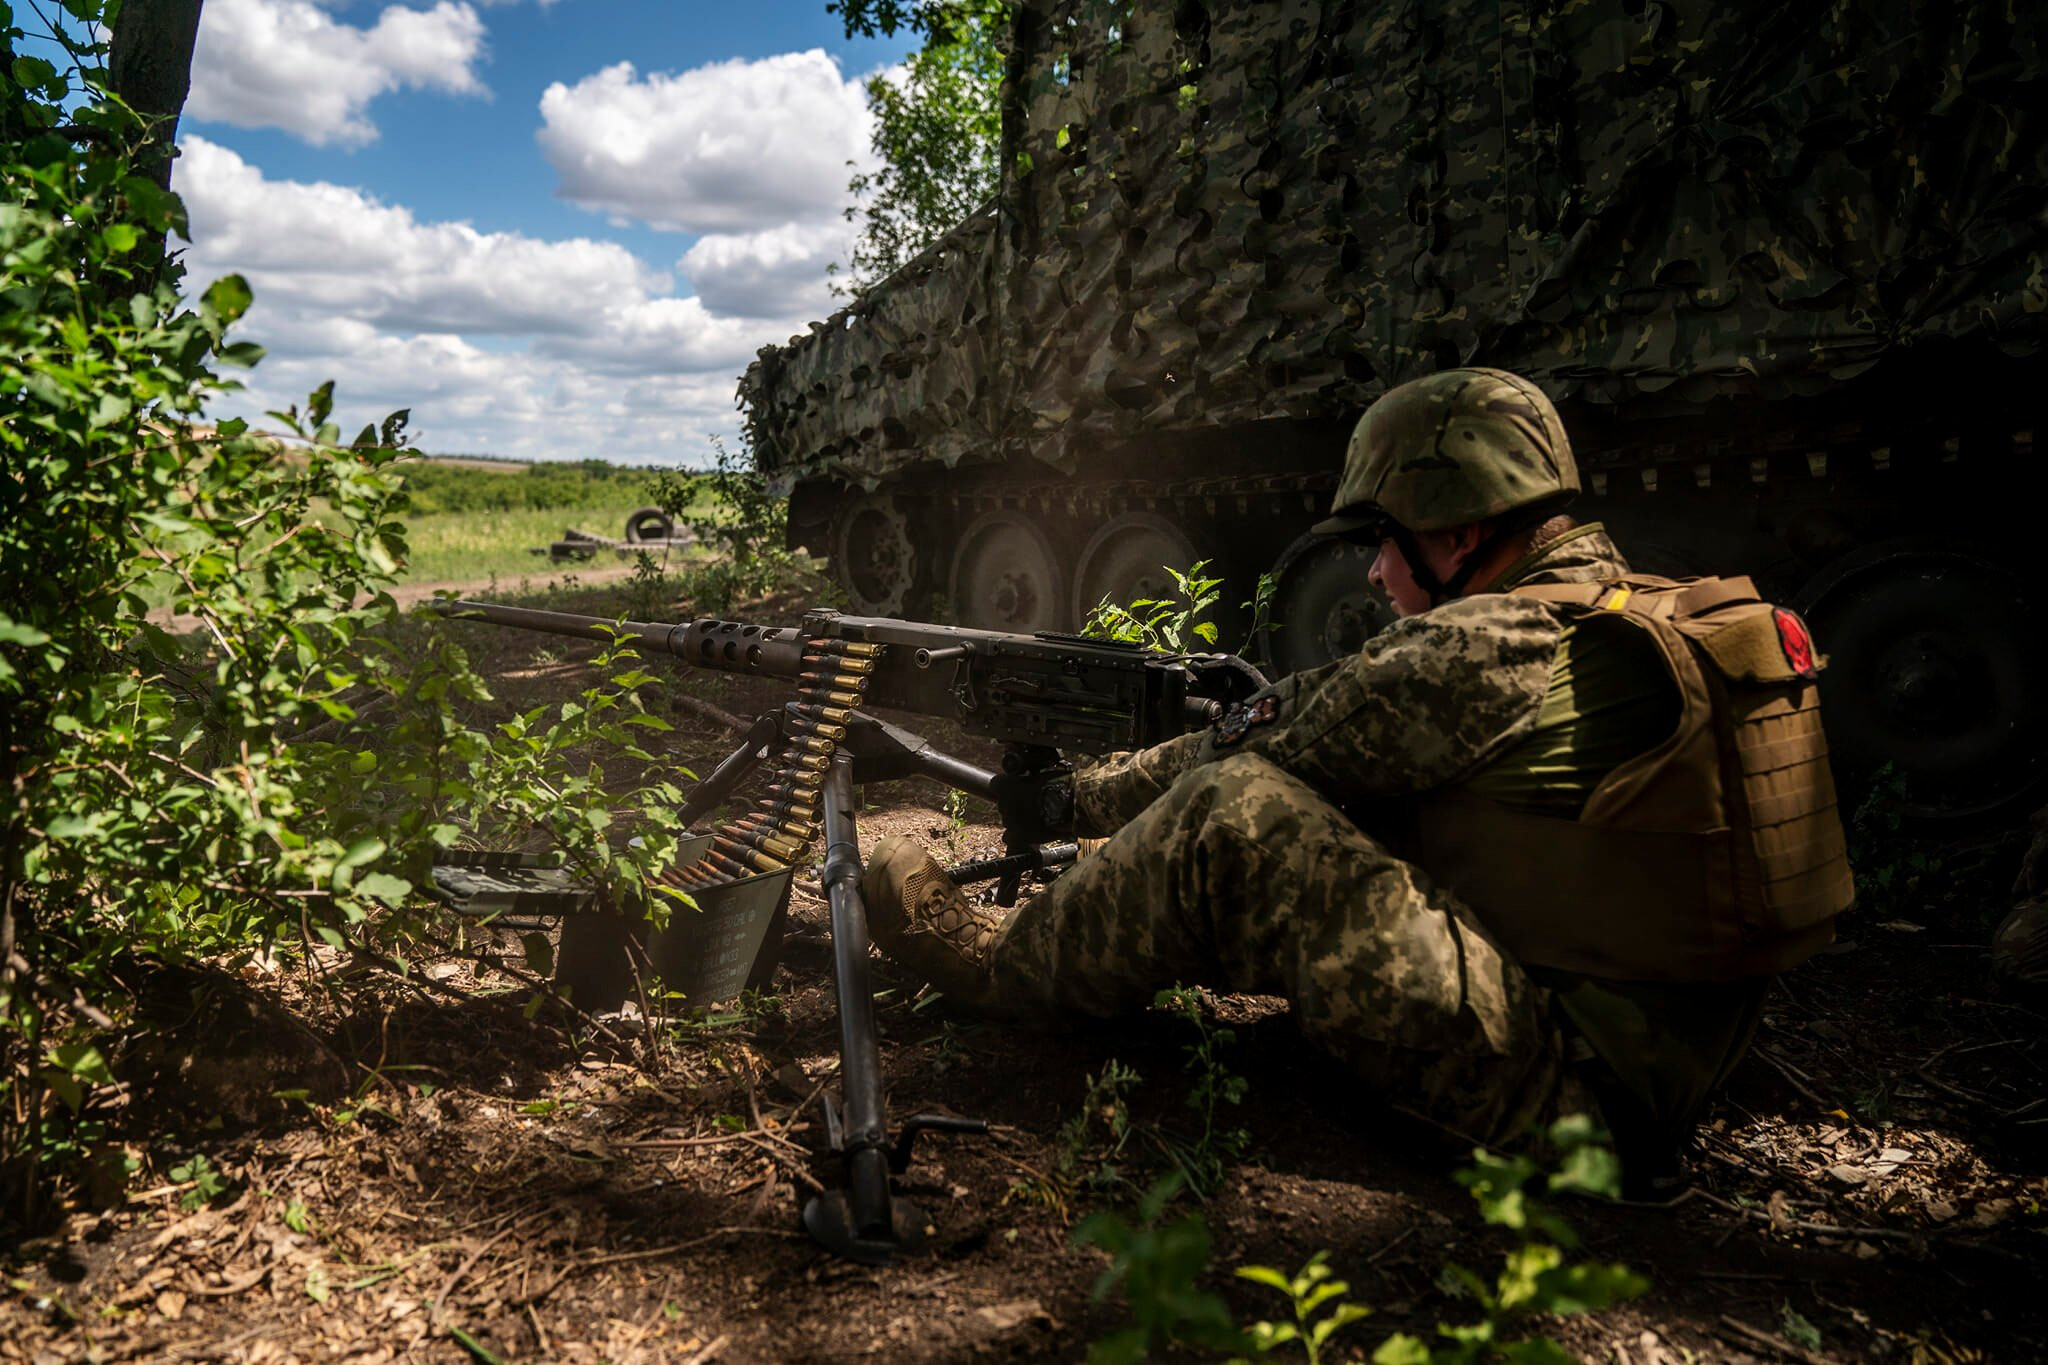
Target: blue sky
{"points": [[552, 229]]}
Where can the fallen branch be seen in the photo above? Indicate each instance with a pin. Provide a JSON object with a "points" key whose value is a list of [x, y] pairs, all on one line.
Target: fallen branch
{"points": [[716, 714], [650, 1253], [1758, 1337], [448, 1285], [1794, 1077], [1820, 1229]]}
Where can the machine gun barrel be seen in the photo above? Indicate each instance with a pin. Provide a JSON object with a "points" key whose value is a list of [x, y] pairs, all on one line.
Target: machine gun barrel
{"points": [[1054, 691], [732, 646]]}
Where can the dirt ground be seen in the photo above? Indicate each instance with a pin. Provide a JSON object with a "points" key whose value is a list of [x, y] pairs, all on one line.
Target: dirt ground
{"points": [[414, 1169]]}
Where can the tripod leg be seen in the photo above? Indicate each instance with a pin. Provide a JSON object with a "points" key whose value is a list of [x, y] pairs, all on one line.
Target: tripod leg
{"points": [[861, 1222]]}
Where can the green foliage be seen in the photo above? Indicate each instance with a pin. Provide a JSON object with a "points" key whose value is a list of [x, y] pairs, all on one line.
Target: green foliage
{"points": [[1173, 624], [1203, 1159], [1311, 1291], [1535, 1277], [253, 778], [1089, 1153], [936, 131], [433, 487], [1797, 1329], [208, 1184], [1157, 1263], [1901, 874], [1890, 864], [742, 520]]}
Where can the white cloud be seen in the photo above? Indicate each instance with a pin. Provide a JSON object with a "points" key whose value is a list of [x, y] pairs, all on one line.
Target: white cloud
{"points": [[770, 274], [288, 64], [335, 247], [727, 147], [499, 342]]}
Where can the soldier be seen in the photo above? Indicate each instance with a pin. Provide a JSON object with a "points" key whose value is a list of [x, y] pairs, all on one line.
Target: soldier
{"points": [[1538, 847]]}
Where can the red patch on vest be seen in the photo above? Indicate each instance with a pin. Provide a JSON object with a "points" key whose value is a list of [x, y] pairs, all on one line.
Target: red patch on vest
{"points": [[1796, 642]]}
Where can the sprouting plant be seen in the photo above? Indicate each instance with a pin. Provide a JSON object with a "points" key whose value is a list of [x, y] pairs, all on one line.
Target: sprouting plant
{"points": [[1536, 1278], [1202, 1159], [1090, 1148], [1312, 1290], [1173, 624], [208, 1184], [1157, 1263], [1261, 609]]}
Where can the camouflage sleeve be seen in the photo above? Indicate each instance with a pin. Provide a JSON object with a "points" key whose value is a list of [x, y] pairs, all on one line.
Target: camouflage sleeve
{"points": [[1112, 790], [1427, 701]]}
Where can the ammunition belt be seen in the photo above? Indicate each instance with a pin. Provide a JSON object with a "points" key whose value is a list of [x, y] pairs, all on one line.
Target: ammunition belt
{"points": [[786, 816]]}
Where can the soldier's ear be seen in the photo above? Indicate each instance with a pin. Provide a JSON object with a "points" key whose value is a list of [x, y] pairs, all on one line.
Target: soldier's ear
{"points": [[1465, 541]]}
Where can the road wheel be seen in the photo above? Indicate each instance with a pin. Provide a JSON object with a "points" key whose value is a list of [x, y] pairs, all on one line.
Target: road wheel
{"points": [[873, 556], [1935, 666], [1127, 560], [1323, 607], [1006, 576]]}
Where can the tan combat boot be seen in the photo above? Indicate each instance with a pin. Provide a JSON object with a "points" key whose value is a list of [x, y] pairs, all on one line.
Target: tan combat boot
{"points": [[925, 923]]}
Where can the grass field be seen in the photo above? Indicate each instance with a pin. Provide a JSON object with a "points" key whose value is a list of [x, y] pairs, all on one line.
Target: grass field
{"points": [[452, 547]]}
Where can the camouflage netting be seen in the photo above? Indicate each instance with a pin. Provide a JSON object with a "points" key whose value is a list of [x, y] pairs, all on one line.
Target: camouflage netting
{"points": [[1217, 214]]}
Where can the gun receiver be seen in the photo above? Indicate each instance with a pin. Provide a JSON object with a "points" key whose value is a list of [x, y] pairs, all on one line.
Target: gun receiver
{"points": [[1041, 695]]}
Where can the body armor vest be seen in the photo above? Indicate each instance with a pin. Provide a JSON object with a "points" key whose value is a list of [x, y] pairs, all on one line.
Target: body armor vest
{"points": [[1715, 855]]}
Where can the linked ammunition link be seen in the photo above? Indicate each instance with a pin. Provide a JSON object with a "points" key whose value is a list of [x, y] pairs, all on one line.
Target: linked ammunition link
{"points": [[786, 817]]}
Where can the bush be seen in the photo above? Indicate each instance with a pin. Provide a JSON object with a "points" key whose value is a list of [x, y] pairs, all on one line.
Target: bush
{"points": [[170, 796], [433, 487]]}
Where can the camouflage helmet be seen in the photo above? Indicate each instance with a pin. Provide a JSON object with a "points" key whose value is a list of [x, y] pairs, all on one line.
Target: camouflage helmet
{"points": [[1451, 448]]}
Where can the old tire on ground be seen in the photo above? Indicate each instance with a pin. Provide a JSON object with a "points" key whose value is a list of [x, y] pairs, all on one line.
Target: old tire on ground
{"points": [[1006, 576], [1126, 561], [1934, 666], [649, 523], [1323, 607], [873, 556]]}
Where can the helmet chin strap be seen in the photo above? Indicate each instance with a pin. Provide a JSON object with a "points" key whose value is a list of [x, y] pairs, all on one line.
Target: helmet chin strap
{"points": [[1424, 577], [1441, 590]]}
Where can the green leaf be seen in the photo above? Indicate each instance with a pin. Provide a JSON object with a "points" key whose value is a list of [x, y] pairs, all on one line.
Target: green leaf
{"points": [[13, 633], [540, 953], [1266, 1275], [65, 1088], [32, 73], [473, 1346], [360, 852], [320, 402], [110, 408], [382, 886], [1401, 1349], [228, 298], [82, 1060], [1797, 1329]]}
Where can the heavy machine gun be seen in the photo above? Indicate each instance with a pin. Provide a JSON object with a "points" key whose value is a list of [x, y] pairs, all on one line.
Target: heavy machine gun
{"points": [[1043, 696]]}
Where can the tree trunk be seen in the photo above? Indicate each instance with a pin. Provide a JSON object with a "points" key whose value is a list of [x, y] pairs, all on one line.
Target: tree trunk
{"points": [[151, 68]]}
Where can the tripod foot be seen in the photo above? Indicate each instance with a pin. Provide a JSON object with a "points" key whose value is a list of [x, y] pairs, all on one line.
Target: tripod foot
{"points": [[829, 1218]]}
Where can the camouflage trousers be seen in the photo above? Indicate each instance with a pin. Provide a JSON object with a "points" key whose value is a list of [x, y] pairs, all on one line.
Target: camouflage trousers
{"points": [[1242, 878]]}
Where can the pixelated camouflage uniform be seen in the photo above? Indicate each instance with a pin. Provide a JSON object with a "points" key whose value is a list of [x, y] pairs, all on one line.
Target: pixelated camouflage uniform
{"points": [[1268, 865]]}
